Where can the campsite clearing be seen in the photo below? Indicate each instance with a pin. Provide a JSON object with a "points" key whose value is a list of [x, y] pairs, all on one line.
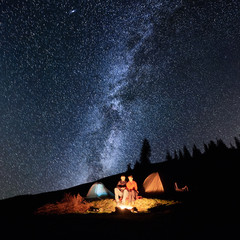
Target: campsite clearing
{"points": [[143, 205], [77, 204]]}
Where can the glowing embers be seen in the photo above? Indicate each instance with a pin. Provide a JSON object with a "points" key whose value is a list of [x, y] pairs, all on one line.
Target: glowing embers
{"points": [[125, 209]]}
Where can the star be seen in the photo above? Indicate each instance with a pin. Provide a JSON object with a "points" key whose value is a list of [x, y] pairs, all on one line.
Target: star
{"points": [[72, 11]]}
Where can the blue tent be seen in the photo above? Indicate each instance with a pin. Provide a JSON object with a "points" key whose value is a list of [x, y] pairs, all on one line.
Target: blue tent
{"points": [[98, 190]]}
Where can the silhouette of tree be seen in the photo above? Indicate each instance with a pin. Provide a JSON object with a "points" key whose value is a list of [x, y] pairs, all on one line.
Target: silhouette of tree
{"points": [[180, 155], [145, 153], [212, 146], [237, 143], [129, 169], [168, 156], [196, 152], [221, 145], [232, 147], [205, 147], [175, 155], [186, 154], [137, 165]]}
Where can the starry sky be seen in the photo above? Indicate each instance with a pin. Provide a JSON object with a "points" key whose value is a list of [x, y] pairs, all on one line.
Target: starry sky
{"points": [[83, 82]]}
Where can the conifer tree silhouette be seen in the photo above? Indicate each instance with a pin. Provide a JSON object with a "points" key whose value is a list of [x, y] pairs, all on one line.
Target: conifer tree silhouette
{"points": [[168, 156], [221, 146], [137, 165], [237, 142], [205, 148], [145, 153], [175, 155], [212, 146], [196, 152], [129, 169], [186, 154], [180, 156]]}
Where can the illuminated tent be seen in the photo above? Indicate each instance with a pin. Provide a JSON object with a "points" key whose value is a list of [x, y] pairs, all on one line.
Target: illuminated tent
{"points": [[153, 183], [98, 190]]}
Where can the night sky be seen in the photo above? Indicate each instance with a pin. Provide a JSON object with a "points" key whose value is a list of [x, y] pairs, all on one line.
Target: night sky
{"points": [[84, 82]]}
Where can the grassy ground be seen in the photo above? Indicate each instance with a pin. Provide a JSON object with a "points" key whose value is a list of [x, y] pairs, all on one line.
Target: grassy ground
{"points": [[142, 205], [77, 204], [70, 218]]}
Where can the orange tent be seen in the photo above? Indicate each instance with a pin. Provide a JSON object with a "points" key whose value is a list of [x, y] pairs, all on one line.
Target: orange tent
{"points": [[153, 184]]}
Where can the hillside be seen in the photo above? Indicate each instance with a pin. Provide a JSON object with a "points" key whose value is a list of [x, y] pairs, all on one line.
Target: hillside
{"points": [[208, 209], [211, 174]]}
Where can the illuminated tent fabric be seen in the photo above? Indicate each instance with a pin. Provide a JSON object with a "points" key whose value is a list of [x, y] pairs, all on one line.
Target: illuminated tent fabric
{"points": [[98, 190], [153, 184]]}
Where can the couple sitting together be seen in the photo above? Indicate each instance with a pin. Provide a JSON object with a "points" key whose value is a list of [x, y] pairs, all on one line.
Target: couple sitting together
{"points": [[126, 189]]}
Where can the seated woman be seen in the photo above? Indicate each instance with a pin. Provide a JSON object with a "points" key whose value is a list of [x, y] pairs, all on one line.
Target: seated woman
{"points": [[132, 190]]}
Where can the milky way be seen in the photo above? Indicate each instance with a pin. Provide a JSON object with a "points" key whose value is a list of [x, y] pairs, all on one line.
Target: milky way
{"points": [[84, 82]]}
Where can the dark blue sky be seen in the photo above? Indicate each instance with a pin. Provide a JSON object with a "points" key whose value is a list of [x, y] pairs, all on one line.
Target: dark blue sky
{"points": [[84, 82]]}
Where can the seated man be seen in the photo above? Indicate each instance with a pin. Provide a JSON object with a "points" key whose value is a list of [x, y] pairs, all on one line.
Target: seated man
{"points": [[121, 191], [132, 190]]}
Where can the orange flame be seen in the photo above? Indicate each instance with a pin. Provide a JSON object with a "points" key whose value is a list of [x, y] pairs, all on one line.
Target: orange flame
{"points": [[125, 207]]}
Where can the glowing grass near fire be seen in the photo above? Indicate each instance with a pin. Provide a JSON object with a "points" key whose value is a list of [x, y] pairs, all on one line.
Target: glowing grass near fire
{"points": [[77, 204], [143, 205]]}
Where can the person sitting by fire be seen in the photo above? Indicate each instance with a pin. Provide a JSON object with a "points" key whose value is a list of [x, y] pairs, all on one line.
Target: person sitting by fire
{"points": [[132, 190], [121, 190]]}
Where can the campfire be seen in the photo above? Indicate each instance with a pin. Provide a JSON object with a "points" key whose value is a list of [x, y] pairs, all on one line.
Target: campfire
{"points": [[125, 209]]}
